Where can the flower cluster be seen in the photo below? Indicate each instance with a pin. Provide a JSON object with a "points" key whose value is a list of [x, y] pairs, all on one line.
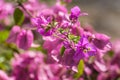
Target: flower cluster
{"points": [[70, 42], [49, 43]]}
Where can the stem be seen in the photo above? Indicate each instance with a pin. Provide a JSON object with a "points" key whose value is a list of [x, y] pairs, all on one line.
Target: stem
{"points": [[59, 37], [22, 6]]}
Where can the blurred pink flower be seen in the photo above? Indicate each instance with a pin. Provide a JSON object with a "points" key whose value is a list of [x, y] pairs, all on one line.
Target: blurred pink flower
{"points": [[13, 34], [31, 66], [3, 75], [24, 39], [21, 37]]}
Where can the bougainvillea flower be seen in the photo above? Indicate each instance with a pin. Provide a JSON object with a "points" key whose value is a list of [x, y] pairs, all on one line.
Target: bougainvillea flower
{"points": [[59, 12], [45, 32], [84, 49], [77, 29], [43, 26], [101, 40], [5, 9], [40, 21], [76, 13], [115, 60], [13, 34], [48, 41], [116, 46], [3, 75], [68, 60], [100, 66], [24, 39], [31, 66], [59, 8], [25, 66]]}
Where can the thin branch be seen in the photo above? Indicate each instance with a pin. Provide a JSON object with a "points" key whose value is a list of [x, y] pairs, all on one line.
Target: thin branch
{"points": [[22, 6]]}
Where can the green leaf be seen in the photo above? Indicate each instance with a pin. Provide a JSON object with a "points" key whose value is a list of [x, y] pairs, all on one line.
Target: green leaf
{"points": [[62, 50], [18, 16], [6, 54], [74, 38], [111, 53], [71, 37], [3, 35], [80, 69]]}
